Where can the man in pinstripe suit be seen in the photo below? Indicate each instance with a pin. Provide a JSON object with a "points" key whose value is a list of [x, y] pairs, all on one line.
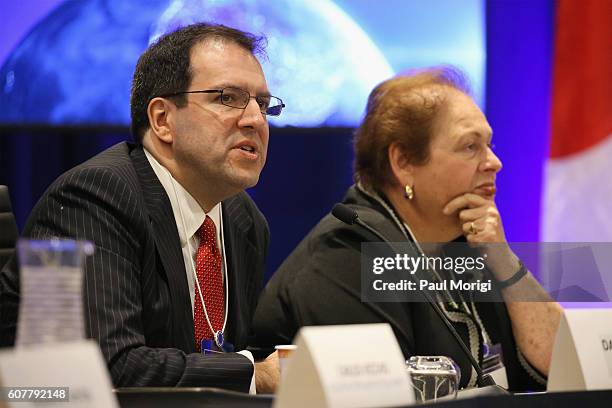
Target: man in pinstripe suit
{"points": [[199, 104]]}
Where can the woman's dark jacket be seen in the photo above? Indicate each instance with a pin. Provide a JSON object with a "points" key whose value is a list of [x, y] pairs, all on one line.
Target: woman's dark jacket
{"points": [[320, 284]]}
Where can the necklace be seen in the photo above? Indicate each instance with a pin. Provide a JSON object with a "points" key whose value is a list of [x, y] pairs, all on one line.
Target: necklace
{"points": [[411, 239]]}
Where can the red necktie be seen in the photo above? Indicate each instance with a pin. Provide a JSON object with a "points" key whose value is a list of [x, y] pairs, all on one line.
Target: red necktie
{"points": [[208, 271]]}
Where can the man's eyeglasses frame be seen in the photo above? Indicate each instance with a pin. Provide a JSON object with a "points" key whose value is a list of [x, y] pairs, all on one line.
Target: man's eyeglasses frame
{"points": [[274, 110]]}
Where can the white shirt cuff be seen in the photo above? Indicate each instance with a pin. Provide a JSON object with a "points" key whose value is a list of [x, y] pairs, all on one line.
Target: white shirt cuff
{"points": [[247, 354]]}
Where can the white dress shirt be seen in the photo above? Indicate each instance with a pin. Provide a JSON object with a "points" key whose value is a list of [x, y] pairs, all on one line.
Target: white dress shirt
{"points": [[189, 216]]}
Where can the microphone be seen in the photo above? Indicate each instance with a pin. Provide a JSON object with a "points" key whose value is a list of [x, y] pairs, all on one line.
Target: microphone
{"points": [[345, 214], [350, 216]]}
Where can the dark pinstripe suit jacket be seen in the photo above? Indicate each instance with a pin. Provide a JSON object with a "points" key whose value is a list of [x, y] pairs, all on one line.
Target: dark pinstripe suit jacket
{"points": [[137, 301]]}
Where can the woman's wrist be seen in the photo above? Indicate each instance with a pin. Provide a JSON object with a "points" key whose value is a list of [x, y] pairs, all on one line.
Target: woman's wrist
{"points": [[518, 275]]}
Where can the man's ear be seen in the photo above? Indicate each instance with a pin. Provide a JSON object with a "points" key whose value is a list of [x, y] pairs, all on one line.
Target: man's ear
{"points": [[402, 170], [159, 112]]}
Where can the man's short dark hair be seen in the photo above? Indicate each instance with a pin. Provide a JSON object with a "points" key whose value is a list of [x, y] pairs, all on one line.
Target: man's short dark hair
{"points": [[164, 67]]}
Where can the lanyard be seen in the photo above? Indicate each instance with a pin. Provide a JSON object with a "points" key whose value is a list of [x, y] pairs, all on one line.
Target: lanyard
{"points": [[218, 335]]}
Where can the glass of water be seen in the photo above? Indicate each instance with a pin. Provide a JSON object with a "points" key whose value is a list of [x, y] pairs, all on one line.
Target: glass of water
{"points": [[433, 377], [51, 280]]}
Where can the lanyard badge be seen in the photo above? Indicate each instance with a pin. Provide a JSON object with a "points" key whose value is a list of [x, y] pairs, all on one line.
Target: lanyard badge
{"points": [[218, 345]]}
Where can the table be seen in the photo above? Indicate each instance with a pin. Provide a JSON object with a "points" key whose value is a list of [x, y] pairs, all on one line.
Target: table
{"points": [[211, 397]]}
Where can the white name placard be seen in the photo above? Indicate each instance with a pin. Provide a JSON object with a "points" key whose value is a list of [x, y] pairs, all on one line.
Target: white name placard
{"points": [[345, 366], [78, 366], [582, 354]]}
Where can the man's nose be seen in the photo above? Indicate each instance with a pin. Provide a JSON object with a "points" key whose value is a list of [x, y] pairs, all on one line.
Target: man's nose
{"points": [[251, 115]]}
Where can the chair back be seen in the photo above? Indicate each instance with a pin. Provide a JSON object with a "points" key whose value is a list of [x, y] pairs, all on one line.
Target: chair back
{"points": [[8, 227]]}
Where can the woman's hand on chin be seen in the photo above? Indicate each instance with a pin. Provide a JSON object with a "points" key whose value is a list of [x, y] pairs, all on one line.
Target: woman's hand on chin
{"points": [[480, 220], [481, 224]]}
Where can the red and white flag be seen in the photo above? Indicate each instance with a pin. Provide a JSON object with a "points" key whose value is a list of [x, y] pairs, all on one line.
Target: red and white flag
{"points": [[578, 180]]}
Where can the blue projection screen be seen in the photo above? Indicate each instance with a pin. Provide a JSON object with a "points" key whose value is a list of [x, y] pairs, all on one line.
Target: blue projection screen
{"points": [[74, 66]]}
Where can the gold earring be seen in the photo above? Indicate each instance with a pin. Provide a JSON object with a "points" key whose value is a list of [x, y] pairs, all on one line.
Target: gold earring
{"points": [[408, 192]]}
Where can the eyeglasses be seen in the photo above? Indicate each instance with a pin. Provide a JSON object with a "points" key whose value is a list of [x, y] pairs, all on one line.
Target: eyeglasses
{"points": [[239, 98]]}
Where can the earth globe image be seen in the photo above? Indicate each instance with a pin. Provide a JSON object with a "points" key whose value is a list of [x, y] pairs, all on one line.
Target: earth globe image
{"points": [[75, 65]]}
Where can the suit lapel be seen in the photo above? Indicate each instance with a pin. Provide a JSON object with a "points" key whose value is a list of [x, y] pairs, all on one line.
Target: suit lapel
{"points": [[168, 247], [239, 252]]}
